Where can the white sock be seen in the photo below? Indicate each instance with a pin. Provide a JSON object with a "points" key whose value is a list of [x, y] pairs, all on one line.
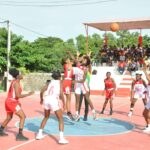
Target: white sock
{"points": [[148, 125], [61, 134], [93, 111], [131, 109], [77, 113], [40, 131]]}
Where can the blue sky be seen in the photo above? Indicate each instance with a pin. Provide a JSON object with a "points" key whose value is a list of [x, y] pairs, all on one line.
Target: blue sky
{"points": [[67, 21]]}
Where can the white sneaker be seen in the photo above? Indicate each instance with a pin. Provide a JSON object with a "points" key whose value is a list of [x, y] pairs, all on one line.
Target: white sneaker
{"points": [[145, 127], [39, 136], [94, 116], [77, 117], [130, 114], [147, 130], [63, 141]]}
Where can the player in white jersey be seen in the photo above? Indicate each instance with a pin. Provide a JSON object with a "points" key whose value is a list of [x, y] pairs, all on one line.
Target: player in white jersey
{"points": [[81, 86], [146, 112], [138, 90], [50, 99]]}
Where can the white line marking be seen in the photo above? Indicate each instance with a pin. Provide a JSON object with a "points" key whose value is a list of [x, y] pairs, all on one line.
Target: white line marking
{"points": [[12, 148]]}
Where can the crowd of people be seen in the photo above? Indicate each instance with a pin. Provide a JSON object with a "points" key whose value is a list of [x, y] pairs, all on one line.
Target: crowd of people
{"points": [[77, 73], [130, 58]]}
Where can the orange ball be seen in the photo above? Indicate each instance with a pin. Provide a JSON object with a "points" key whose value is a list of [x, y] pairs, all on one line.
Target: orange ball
{"points": [[114, 27]]}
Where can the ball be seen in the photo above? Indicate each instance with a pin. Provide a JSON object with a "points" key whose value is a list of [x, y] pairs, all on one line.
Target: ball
{"points": [[114, 27]]}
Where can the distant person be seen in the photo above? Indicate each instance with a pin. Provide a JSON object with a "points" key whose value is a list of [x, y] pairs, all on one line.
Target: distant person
{"points": [[110, 87], [138, 89], [146, 112]]}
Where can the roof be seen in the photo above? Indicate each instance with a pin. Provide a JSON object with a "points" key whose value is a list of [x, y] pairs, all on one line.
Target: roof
{"points": [[124, 24]]}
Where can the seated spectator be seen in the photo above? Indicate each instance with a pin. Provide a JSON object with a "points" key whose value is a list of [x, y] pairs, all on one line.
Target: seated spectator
{"points": [[121, 67], [132, 67]]}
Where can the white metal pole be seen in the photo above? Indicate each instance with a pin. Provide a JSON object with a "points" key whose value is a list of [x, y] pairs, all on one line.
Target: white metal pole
{"points": [[8, 52]]}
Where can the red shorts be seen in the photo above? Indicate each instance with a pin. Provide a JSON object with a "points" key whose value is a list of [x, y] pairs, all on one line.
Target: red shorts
{"points": [[12, 106], [109, 94], [67, 86]]}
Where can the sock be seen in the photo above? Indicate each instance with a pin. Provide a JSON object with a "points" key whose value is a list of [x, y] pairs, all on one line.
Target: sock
{"points": [[20, 130], [40, 131], [77, 113], [93, 111], [131, 109], [61, 134], [148, 125]]}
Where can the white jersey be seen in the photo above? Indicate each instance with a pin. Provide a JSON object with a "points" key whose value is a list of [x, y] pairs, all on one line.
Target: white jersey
{"points": [[51, 96], [79, 73], [53, 89]]}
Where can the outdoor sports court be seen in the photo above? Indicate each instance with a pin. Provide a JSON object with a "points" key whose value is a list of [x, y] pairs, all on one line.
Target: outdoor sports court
{"points": [[118, 132]]}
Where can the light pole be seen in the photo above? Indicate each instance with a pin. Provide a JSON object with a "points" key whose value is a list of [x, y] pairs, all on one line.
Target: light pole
{"points": [[8, 51]]}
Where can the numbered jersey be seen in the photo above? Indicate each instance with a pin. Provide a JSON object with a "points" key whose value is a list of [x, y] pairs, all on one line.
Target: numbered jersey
{"points": [[53, 89], [139, 87]]}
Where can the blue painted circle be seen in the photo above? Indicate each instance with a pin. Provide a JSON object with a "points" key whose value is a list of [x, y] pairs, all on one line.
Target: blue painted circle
{"points": [[100, 127]]}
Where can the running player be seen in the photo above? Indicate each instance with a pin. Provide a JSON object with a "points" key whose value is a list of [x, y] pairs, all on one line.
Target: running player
{"points": [[138, 89], [49, 96], [67, 85], [146, 112], [110, 87], [13, 106]]}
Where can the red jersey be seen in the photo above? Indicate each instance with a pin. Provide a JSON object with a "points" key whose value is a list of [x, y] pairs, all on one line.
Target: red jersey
{"points": [[11, 93], [68, 72], [109, 84]]}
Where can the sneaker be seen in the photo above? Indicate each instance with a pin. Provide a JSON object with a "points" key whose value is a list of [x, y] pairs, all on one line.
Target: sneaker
{"points": [[130, 114], [69, 116], [77, 117], [63, 141], [39, 136], [21, 137], [147, 130], [2, 133], [111, 112], [85, 118], [145, 127], [94, 116]]}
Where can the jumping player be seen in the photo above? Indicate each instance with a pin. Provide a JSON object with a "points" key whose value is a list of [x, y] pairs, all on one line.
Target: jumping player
{"points": [[138, 89], [110, 87], [81, 86], [146, 112], [49, 96], [13, 106], [67, 85]]}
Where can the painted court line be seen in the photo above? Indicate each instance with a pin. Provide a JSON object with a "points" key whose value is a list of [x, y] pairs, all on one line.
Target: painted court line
{"points": [[17, 146]]}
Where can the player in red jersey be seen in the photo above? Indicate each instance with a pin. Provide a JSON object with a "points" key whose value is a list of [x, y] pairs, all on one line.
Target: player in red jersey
{"points": [[110, 87], [13, 106], [67, 85]]}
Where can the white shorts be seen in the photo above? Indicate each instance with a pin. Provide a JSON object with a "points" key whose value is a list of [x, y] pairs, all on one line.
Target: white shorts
{"points": [[139, 95], [81, 88], [51, 103]]}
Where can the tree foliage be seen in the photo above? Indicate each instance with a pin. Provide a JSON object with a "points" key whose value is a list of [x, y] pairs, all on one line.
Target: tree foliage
{"points": [[45, 54]]}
